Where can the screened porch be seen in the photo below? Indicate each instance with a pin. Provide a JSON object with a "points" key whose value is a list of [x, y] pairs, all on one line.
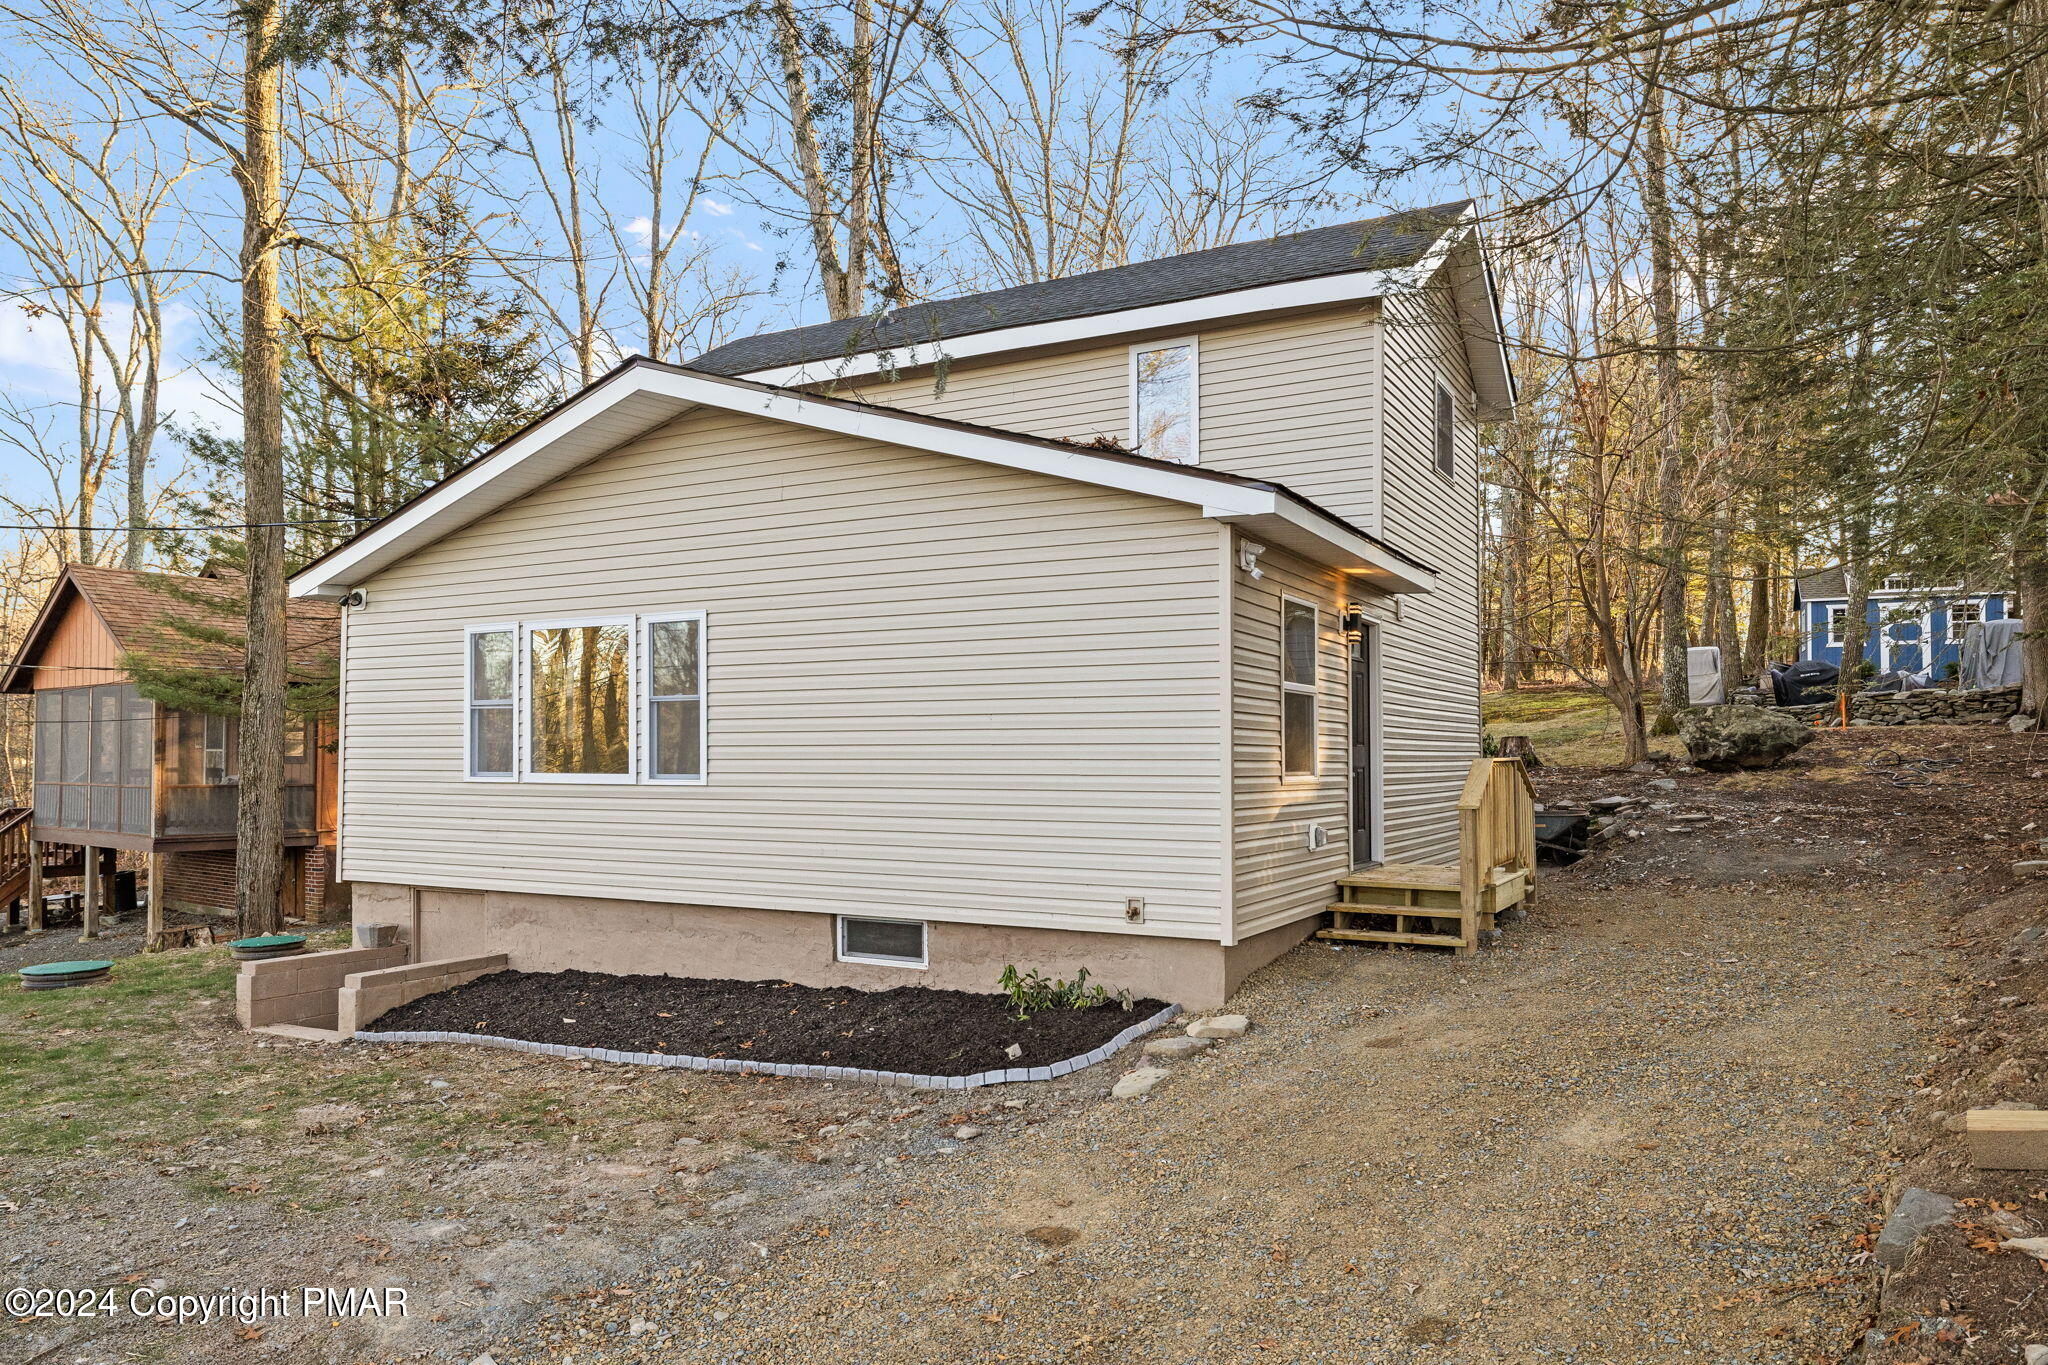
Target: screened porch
{"points": [[114, 769]]}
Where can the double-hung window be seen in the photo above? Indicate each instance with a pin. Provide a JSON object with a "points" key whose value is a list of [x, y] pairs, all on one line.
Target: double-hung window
{"points": [[1165, 402], [1297, 688], [1446, 432], [492, 725], [1836, 615], [586, 699], [1963, 615], [675, 698]]}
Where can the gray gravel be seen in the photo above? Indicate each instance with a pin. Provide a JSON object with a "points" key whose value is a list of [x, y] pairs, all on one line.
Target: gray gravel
{"points": [[1643, 1129]]}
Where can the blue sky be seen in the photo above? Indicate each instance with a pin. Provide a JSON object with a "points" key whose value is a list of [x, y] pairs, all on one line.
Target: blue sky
{"points": [[735, 235]]}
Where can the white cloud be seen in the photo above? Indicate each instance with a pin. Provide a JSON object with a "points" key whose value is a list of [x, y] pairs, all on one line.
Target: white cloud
{"points": [[713, 207]]}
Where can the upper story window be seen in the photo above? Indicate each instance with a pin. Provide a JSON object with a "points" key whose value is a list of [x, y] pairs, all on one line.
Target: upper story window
{"points": [[1165, 401], [1446, 431], [1298, 638], [595, 699]]}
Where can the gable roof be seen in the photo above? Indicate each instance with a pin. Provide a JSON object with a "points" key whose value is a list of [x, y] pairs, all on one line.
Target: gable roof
{"points": [[1821, 585], [1370, 258], [138, 609], [1399, 239], [643, 394]]}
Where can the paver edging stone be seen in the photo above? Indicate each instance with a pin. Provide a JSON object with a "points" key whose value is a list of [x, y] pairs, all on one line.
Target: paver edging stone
{"points": [[795, 1070]]}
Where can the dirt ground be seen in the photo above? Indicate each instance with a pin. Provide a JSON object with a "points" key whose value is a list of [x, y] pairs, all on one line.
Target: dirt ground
{"points": [[1659, 1122]]}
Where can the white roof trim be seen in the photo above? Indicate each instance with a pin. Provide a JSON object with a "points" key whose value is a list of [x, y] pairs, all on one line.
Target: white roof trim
{"points": [[1471, 291], [642, 396]]}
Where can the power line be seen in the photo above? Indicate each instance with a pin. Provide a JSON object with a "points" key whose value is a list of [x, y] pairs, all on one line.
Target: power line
{"points": [[223, 526]]}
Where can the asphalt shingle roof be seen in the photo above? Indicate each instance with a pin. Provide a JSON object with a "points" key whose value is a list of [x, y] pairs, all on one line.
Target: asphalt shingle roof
{"points": [[1370, 244]]}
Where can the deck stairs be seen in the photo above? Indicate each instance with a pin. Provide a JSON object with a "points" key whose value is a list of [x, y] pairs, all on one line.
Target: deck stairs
{"points": [[1431, 905], [59, 860]]}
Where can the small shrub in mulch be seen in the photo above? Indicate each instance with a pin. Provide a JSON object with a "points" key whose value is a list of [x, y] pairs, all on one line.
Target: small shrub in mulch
{"points": [[911, 1028]]}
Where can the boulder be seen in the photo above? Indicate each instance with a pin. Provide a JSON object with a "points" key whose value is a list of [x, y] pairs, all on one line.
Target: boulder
{"points": [[1916, 1212], [1740, 736]]}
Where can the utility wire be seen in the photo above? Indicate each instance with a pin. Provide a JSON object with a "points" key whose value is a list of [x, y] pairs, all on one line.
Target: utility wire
{"points": [[224, 526]]}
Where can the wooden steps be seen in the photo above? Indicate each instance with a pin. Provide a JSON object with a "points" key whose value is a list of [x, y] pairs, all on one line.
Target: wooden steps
{"points": [[1430, 905]]}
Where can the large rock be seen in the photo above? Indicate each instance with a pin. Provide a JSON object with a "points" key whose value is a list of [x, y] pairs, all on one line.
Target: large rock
{"points": [[1740, 736], [1912, 1217]]}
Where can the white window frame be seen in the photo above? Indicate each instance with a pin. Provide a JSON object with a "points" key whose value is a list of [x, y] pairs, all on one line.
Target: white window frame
{"points": [[1314, 690], [1194, 346], [644, 698], [1444, 397], [469, 702], [1831, 623], [1951, 635], [924, 939], [524, 689]]}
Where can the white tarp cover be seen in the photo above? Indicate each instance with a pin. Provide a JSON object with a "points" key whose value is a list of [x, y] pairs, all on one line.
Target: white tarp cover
{"points": [[1703, 675], [1991, 655]]}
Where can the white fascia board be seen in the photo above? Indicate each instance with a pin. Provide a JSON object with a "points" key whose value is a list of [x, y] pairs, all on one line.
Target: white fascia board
{"points": [[1178, 315], [1281, 521], [565, 440]]}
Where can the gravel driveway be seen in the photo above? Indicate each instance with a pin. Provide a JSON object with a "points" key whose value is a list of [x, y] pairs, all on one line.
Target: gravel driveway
{"points": [[1644, 1129]]}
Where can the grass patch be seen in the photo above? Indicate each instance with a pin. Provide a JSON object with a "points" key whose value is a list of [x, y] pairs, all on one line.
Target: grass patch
{"points": [[1572, 727]]}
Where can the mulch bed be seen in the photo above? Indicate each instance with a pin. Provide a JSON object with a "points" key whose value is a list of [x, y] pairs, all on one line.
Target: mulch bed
{"points": [[926, 1032]]}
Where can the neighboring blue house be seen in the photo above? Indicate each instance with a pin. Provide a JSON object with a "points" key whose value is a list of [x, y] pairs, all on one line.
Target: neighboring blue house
{"points": [[1906, 620]]}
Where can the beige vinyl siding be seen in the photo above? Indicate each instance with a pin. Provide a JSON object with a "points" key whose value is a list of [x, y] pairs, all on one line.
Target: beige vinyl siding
{"points": [[1430, 657], [1338, 406], [1277, 879], [1289, 399], [936, 689]]}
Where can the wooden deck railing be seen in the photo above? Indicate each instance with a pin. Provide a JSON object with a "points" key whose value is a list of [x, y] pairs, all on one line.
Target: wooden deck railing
{"points": [[1496, 825]]}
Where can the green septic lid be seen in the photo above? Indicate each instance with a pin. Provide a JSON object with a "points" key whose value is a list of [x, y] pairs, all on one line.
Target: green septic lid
{"points": [[66, 968], [268, 941]]}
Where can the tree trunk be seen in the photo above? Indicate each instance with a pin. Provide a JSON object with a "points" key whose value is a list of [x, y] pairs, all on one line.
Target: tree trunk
{"points": [[841, 282], [2029, 553], [1756, 644], [2030, 577], [1514, 572], [259, 813], [1671, 529], [1856, 582]]}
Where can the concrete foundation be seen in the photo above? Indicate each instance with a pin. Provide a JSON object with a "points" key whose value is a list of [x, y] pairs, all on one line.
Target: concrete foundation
{"points": [[544, 933]]}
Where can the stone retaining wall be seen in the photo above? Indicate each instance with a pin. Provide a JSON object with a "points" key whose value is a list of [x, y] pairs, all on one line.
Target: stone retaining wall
{"points": [[302, 989], [1934, 706], [367, 995]]}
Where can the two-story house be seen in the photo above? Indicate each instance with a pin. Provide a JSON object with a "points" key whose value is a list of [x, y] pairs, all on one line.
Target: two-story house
{"points": [[1107, 621]]}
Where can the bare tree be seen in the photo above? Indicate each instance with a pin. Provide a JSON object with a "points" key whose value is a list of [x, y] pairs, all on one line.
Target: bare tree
{"points": [[93, 217]]}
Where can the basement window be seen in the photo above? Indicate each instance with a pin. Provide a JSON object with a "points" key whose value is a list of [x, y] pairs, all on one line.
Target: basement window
{"points": [[890, 942]]}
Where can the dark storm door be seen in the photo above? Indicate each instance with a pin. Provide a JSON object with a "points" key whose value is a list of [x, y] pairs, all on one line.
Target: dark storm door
{"points": [[1361, 749]]}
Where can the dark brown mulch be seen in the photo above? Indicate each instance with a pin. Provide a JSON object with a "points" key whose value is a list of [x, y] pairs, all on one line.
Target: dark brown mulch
{"points": [[927, 1032]]}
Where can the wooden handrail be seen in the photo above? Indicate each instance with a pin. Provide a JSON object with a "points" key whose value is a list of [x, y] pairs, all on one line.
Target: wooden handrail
{"points": [[1496, 824]]}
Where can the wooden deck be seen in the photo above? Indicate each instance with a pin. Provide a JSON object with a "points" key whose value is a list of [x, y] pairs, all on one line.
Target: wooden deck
{"points": [[1429, 905]]}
